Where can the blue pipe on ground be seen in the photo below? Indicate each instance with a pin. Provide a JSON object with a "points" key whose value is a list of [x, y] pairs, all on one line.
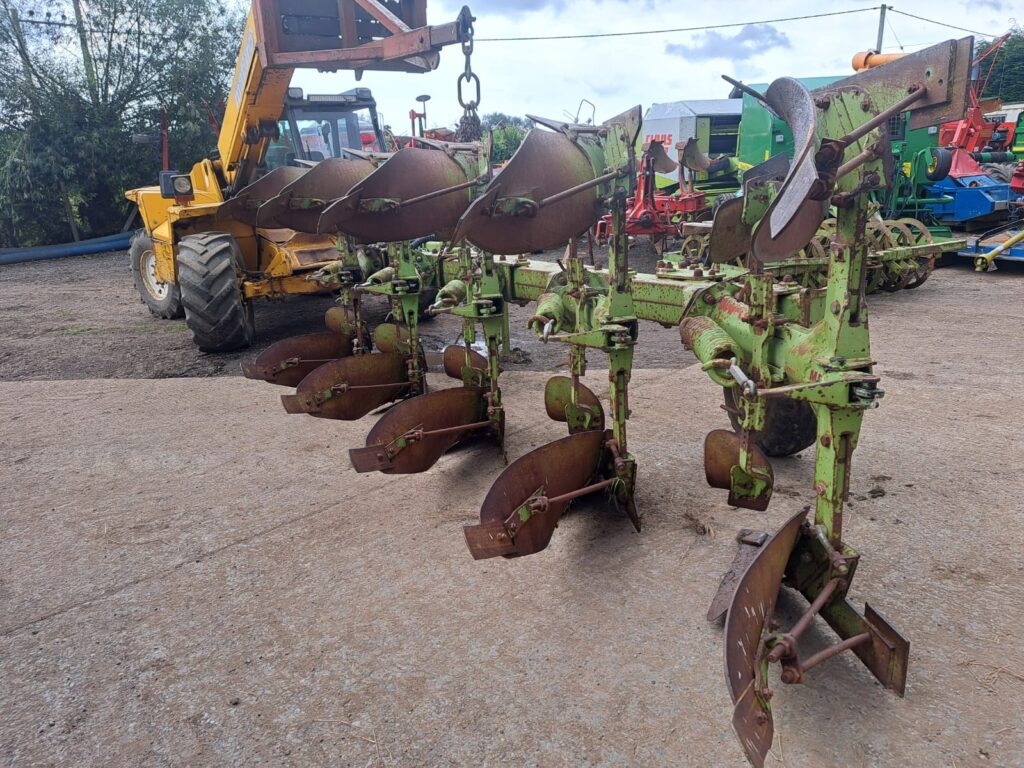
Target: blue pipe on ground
{"points": [[116, 242]]}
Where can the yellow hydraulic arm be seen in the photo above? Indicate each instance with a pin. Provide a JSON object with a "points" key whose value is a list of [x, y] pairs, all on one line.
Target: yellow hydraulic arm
{"points": [[283, 35]]}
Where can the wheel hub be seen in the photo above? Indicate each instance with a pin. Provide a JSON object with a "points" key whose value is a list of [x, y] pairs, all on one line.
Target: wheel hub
{"points": [[147, 268]]}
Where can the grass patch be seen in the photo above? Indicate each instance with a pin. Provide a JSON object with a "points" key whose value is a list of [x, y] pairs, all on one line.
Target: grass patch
{"points": [[73, 331], [160, 328], [82, 330]]}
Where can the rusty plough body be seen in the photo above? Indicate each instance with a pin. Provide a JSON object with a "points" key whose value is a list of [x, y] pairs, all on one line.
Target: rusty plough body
{"points": [[792, 355], [381, 208], [552, 191]]}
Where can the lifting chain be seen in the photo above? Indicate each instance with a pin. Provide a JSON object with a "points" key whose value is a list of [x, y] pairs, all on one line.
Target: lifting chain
{"points": [[469, 125]]}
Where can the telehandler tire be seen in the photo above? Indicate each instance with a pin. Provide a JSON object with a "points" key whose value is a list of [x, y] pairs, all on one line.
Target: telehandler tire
{"points": [[789, 425], [162, 299], [215, 311]]}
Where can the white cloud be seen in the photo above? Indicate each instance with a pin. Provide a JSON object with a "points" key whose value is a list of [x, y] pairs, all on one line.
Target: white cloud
{"points": [[750, 41]]}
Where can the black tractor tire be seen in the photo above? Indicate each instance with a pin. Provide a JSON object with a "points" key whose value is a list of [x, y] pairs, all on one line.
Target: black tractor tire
{"points": [[427, 297], [162, 299], [789, 425], [215, 311], [428, 294], [942, 162]]}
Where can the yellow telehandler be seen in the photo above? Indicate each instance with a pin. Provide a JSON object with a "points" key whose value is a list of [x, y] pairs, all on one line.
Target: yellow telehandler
{"points": [[201, 252]]}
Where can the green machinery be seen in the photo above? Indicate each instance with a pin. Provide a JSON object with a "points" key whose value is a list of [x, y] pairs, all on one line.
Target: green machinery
{"points": [[711, 125], [917, 165], [763, 134], [894, 224], [793, 359]]}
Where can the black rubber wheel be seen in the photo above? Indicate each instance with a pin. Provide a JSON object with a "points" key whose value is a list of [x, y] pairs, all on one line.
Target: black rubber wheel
{"points": [[428, 294], [789, 425], [162, 299], [427, 297], [215, 312], [941, 162]]}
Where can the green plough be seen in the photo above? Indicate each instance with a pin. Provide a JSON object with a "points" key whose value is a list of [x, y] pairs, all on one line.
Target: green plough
{"points": [[772, 304]]}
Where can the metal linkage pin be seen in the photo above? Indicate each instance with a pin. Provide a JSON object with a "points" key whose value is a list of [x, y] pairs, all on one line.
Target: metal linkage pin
{"points": [[748, 385], [870, 394]]}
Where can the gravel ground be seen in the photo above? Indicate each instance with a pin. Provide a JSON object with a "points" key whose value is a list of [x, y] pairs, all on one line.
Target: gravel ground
{"points": [[82, 318], [189, 576]]}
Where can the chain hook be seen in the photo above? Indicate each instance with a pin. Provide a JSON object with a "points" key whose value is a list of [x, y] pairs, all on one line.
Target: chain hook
{"points": [[469, 106], [469, 125]]}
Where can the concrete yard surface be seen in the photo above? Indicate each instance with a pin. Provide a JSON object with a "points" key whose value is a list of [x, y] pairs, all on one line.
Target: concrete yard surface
{"points": [[191, 577]]}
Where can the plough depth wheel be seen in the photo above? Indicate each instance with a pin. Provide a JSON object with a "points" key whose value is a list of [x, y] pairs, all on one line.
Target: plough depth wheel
{"points": [[789, 428]]}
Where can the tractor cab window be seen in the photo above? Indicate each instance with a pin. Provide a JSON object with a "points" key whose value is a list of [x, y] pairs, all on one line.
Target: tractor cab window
{"points": [[318, 139], [316, 134], [280, 151], [355, 131], [368, 140]]}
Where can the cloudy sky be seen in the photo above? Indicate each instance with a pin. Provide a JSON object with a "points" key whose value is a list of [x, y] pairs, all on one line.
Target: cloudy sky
{"points": [[550, 77]]}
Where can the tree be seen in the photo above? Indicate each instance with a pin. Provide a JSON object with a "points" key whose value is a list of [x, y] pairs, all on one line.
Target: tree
{"points": [[78, 80], [498, 119], [1007, 79], [507, 134]]}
